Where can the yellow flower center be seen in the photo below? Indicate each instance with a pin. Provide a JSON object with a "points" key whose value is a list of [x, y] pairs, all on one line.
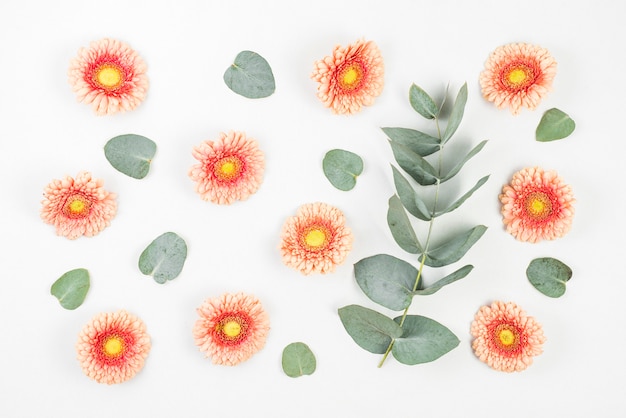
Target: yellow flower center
{"points": [[109, 76], [315, 238], [227, 168], [506, 337], [351, 76], [538, 205], [77, 207], [518, 76], [232, 329], [113, 346]]}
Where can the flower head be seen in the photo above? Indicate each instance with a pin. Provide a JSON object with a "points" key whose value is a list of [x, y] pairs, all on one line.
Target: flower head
{"points": [[353, 76], [537, 205], [316, 239], [517, 75], [112, 347], [505, 337], [231, 328], [230, 168], [79, 206], [109, 75]]}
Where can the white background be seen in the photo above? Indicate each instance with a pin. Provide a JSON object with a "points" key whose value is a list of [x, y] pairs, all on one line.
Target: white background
{"points": [[187, 45]]}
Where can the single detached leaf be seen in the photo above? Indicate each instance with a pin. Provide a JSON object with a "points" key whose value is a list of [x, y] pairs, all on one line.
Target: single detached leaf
{"points": [[414, 164], [418, 142], [298, 360], [401, 228], [422, 341], [463, 198], [164, 258], [250, 76], [342, 168], [409, 198], [549, 276], [456, 115], [554, 125], [371, 330], [71, 288], [386, 280], [455, 170], [130, 154], [422, 102], [454, 249], [450, 278]]}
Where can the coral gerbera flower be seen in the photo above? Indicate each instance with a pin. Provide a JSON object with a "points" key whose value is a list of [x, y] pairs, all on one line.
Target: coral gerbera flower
{"points": [[537, 205], [231, 168], [351, 77], [109, 75], [505, 337], [112, 347], [78, 207], [231, 328], [316, 239], [517, 75]]}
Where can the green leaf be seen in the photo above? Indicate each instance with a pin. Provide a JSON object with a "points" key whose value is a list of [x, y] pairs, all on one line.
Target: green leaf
{"points": [[456, 115], [414, 164], [418, 142], [386, 280], [463, 198], [409, 198], [454, 249], [450, 278], [401, 228], [371, 330], [455, 170], [130, 154], [298, 360], [342, 168], [554, 125], [71, 288], [549, 276], [422, 102], [250, 76], [164, 258], [422, 341]]}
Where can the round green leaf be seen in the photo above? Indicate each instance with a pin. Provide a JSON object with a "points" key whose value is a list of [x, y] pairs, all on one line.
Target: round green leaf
{"points": [[130, 154], [71, 288], [298, 360], [554, 125], [549, 276], [371, 330], [250, 76], [342, 168], [423, 340], [386, 280], [164, 258]]}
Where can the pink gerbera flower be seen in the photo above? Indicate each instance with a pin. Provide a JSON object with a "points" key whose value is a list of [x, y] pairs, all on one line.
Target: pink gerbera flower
{"points": [[517, 75], [78, 207], [112, 347], [537, 205], [230, 168], [109, 75], [505, 337], [231, 328], [351, 77], [316, 240]]}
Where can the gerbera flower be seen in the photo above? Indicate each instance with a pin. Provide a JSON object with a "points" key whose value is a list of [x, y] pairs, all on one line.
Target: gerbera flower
{"points": [[505, 337], [316, 240], [109, 75], [230, 168], [537, 205], [353, 76], [517, 75], [231, 328], [112, 347], [78, 207]]}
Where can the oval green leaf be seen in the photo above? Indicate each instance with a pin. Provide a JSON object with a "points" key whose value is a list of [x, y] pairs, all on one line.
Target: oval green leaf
{"points": [[371, 330], [71, 288], [341, 168], [414, 164], [130, 154], [450, 278], [419, 142], [250, 76], [422, 103], [164, 258], [386, 280], [401, 228], [455, 248], [409, 198], [554, 124], [549, 276], [423, 340], [458, 109], [298, 360]]}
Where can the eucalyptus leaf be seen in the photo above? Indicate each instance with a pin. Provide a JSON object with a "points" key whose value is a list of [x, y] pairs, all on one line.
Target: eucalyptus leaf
{"points": [[422, 341], [298, 360], [409, 198], [341, 168], [456, 115], [450, 278], [418, 142], [386, 280], [455, 248], [164, 258], [401, 228], [414, 164], [554, 124], [455, 170], [549, 276], [250, 76], [422, 102], [371, 330], [130, 154], [463, 198], [71, 288]]}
